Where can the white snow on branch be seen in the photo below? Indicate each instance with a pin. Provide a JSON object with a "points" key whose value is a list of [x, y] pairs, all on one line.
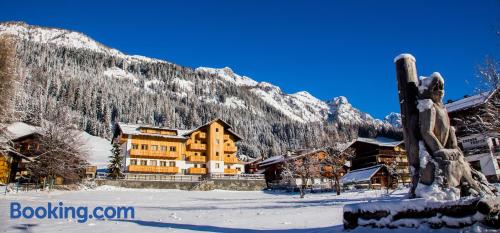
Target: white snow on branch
{"points": [[118, 73]]}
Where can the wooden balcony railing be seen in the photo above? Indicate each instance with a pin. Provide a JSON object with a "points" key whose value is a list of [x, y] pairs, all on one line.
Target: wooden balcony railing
{"points": [[152, 169], [195, 146], [230, 171], [197, 158], [153, 154], [230, 160], [230, 148], [197, 170]]}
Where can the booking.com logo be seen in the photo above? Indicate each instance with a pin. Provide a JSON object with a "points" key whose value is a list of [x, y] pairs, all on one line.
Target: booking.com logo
{"points": [[59, 211]]}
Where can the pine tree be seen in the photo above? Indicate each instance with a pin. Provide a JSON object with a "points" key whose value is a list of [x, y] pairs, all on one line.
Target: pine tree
{"points": [[115, 162]]}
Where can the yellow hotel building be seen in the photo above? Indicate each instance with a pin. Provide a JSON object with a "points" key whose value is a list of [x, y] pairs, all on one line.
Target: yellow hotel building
{"points": [[208, 149]]}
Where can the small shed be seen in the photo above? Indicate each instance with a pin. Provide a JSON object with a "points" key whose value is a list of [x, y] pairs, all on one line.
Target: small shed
{"points": [[374, 177]]}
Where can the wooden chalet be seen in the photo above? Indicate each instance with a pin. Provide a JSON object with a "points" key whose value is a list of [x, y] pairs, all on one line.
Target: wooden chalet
{"points": [[374, 177], [381, 151], [272, 168]]}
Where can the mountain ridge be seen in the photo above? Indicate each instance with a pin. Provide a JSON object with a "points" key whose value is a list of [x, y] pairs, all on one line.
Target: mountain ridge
{"points": [[168, 91]]}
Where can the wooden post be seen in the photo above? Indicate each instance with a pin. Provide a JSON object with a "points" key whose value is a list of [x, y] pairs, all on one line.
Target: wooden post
{"points": [[406, 72]]}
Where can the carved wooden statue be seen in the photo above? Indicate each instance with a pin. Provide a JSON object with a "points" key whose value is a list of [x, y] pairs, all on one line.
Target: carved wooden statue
{"points": [[439, 170]]}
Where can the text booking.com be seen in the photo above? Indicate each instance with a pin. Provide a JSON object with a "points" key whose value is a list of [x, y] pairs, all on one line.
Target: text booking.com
{"points": [[80, 213]]}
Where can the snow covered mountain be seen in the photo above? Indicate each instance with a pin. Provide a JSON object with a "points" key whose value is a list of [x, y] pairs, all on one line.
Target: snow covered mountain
{"points": [[394, 119], [101, 84], [302, 106]]}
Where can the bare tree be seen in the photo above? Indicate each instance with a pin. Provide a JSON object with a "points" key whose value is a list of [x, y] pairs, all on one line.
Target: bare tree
{"points": [[60, 152], [7, 78], [335, 161], [303, 168], [488, 75], [392, 169]]}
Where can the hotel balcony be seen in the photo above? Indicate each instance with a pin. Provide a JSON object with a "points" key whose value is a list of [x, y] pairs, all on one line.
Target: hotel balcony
{"points": [[195, 146], [230, 171], [197, 159], [230, 160], [152, 169], [197, 170], [230, 148], [153, 154]]}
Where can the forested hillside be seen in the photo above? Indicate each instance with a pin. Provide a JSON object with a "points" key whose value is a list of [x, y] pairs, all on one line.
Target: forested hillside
{"points": [[64, 71]]}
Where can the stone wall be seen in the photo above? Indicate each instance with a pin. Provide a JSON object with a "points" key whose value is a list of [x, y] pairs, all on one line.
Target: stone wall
{"points": [[240, 185], [235, 185]]}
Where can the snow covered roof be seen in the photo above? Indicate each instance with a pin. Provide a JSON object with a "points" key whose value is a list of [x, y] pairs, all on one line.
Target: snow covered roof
{"points": [[18, 130], [272, 160], [228, 129], [469, 102], [294, 155], [361, 175], [134, 129], [380, 141]]}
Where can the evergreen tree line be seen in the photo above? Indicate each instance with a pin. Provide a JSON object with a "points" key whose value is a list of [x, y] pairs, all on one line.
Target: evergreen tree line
{"points": [[54, 78]]}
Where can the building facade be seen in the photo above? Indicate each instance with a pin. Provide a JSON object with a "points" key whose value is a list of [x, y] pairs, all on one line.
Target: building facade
{"points": [[208, 149], [381, 151], [374, 177], [477, 124], [273, 169], [24, 140]]}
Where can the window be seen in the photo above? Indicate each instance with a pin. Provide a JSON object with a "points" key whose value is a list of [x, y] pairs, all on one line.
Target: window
{"points": [[203, 165], [216, 153], [133, 162], [239, 169], [163, 163], [144, 147], [204, 154], [135, 146], [171, 164], [196, 166], [144, 162], [163, 148], [216, 129], [216, 141], [195, 153], [154, 147], [152, 162], [217, 165], [228, 155], [227, 166], [173, 148]]}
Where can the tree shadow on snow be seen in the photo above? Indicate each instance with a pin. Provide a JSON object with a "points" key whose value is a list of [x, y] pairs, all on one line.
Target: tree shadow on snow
{"points": [[24, 227], [207, 228], [339, 201]]}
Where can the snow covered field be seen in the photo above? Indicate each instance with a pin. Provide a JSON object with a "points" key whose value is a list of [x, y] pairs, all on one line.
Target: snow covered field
{"points": [[197, 211]]}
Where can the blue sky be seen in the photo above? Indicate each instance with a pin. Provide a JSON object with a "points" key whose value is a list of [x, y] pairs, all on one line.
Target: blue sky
{"points": [[328, 48]]}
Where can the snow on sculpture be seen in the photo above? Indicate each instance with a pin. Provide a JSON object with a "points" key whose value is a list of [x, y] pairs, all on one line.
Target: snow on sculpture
{"points": [[446, 171], [444, 186]]}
